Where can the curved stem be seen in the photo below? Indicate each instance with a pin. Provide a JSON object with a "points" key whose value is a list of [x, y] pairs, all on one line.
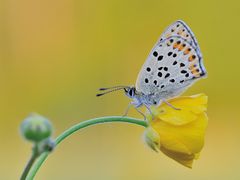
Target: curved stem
{"points": [[28, 166], [77, 127]]}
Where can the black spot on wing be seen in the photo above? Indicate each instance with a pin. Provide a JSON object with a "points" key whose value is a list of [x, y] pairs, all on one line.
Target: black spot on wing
{"points": [[148, 69], [160, 58], [182, 64], [160, 74], [167, 75], [155, 53], [155, 82], [172, 80]]}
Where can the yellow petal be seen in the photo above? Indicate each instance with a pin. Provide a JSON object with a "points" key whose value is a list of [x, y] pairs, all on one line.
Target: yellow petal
{"points": [[184, 159], [188, 138], [190, 107], [196, 103], [181, 131], [178, 117]]}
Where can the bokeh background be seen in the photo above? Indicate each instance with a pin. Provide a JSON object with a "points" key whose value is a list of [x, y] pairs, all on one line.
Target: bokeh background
{"points": [[54, 55]]}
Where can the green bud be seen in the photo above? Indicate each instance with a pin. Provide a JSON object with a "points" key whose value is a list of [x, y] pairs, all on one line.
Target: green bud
{"points": [[36, 128], [46, 145]]}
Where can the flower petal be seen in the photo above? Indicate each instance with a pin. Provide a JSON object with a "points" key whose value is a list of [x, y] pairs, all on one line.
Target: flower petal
{"points": [[184, 159], [190, 107], [181, 131], [188, 138]]}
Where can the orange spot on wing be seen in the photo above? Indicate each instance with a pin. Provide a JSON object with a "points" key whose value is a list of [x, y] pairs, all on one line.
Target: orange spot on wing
{"points": [[187, 51], [179, 32], [191, 58], [175, 45], [195, 72], [180, 48], [191, 67]]}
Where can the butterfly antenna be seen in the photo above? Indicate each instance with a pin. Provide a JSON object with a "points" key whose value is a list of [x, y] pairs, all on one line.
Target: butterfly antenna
{"points": [[114, 87], [106, 92]]}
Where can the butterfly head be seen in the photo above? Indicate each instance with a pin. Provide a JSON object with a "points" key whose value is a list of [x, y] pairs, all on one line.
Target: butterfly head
{"points": [[130, 92]]}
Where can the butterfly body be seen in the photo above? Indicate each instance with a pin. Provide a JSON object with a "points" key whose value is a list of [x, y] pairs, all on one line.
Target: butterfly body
{"points": [[139, 98]]}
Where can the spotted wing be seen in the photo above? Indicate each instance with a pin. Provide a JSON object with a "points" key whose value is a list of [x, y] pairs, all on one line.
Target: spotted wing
{"points": [[180, 28], [173, 64]]}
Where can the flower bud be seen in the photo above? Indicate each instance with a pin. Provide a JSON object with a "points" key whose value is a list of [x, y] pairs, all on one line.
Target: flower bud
{"points": [[36, 128], [46, 145]]}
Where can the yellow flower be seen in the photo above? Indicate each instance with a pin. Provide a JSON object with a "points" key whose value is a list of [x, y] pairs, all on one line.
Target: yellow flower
{"points": [[179, 134]]}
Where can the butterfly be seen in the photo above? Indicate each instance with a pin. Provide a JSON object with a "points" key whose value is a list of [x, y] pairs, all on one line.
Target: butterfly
{"points": [[173, 65]]}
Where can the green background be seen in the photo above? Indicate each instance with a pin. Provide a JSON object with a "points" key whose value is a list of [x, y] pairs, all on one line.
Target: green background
{"points": [[54, 55]]}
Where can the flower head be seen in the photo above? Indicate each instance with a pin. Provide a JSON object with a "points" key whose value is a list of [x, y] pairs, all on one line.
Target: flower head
{"points": [[179, 134]]}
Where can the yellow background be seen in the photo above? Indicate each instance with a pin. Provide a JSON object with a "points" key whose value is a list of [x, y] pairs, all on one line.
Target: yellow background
{"points": [[54, 55]]}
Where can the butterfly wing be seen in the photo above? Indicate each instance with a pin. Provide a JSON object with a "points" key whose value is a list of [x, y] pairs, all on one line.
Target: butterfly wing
{"points": [[173, 65], [180, 28]]}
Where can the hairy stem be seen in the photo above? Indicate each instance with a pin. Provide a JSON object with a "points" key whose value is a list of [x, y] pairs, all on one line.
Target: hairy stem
{"points": [[77, 127]]}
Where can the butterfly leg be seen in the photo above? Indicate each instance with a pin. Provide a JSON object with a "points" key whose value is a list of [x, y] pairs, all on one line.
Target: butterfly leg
{"points": [[136, 107], [127, 110], [141, 113], [171, 105], [149, 110]]}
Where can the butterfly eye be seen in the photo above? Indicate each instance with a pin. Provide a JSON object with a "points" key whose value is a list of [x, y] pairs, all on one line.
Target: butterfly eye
{"points": [[131, 92]]}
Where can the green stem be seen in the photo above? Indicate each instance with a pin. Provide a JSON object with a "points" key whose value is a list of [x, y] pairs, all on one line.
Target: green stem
{"points": [[77, 127], [28, 166]]}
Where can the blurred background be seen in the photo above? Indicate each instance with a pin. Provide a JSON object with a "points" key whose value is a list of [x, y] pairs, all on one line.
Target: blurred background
{"points": [[54, 55]]}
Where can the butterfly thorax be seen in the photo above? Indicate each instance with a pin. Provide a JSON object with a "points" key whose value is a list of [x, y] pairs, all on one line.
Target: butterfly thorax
{"points": [[140, 98]]}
